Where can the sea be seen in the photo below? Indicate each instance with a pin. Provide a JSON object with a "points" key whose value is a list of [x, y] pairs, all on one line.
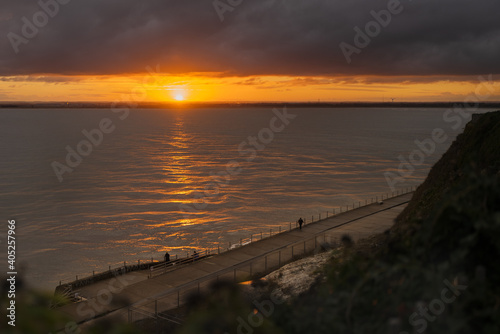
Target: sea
{"points": [[94, 188]]}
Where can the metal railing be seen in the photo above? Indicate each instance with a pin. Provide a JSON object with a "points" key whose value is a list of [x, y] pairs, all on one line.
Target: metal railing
{"points": [[116, 268], [172, 265]]}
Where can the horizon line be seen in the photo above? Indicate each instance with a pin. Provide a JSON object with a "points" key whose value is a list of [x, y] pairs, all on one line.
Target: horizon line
{"points": [[184, 104]]}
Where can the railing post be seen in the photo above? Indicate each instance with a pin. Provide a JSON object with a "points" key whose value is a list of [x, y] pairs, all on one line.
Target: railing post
{"points": [[93, 272]]}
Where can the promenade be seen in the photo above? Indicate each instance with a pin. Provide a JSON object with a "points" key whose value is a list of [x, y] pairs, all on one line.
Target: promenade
{"points": [[134, 296]]}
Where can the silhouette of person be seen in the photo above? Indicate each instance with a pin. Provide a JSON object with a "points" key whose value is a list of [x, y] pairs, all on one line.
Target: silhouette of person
{"points": [[167, 257], [300, 223], [195, 254]]}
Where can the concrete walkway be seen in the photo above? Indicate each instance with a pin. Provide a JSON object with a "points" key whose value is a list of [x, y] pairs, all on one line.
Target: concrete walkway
{"points": [[118, 294]]}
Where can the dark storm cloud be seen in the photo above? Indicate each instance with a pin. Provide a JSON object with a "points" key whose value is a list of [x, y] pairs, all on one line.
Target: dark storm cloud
{"points": [[259, 37]]}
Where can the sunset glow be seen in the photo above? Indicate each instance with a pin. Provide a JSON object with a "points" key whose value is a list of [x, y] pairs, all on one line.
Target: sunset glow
{"points": [[214, 88]]}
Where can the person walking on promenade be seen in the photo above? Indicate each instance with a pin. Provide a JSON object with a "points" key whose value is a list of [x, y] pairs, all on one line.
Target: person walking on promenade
{"points": [[300, 223], [167, 257]]}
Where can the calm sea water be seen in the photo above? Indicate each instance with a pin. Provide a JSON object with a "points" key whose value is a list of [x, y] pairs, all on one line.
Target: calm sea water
{"points": [[121, 203]]}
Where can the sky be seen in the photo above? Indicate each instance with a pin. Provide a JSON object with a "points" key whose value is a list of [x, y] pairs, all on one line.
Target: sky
{"points": [[242, 50]]}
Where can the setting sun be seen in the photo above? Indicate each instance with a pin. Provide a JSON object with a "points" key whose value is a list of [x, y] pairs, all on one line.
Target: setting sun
{"points": [[178, 93]]}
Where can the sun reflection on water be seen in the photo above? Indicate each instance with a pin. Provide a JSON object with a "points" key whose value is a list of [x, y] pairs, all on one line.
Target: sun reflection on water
{"points": [[175, 163]]}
